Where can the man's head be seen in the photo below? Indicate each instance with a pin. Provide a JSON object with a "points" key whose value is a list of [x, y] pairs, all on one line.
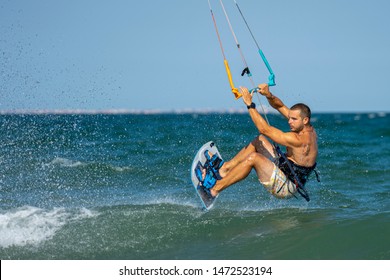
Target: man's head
{"points": [[299, 116]]}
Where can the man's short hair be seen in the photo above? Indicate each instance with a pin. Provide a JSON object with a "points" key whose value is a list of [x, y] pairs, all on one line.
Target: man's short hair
{"points": [[305, 110]]}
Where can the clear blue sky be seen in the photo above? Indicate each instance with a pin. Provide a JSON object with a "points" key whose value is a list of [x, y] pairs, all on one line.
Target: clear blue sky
{"points": [[85, 54]]}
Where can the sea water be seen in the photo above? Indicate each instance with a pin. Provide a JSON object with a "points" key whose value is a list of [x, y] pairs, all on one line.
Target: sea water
{"points": [[96, 186]]}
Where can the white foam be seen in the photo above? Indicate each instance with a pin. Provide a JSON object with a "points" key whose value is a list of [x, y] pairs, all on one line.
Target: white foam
{"points": [[30, 225], [65, 162], [68, 163], [121, 169], [167, 200]]}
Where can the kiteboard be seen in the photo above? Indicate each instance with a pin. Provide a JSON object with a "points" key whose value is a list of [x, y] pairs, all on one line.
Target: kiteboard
{"points": [[207, 156]]}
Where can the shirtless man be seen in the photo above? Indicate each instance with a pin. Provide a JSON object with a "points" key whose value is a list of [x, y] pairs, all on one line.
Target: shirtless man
{"points": [[272, 170]]}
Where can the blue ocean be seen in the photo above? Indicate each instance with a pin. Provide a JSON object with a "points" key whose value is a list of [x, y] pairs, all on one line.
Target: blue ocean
{"points": [[117, 186]]}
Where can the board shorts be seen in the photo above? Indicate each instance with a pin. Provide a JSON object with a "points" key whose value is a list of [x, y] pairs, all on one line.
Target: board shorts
{"points": [[279, 185]]}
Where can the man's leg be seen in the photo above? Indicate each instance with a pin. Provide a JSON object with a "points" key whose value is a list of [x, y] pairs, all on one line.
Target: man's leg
{"points": [[263, 166], [260, 145]]}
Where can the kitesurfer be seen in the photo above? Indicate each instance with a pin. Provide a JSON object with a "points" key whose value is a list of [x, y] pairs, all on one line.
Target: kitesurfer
{"points": [[273, 169]]}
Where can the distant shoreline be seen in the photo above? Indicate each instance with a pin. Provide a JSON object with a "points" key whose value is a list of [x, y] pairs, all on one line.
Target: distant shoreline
{"points": [[160, 112], [119, 112]]}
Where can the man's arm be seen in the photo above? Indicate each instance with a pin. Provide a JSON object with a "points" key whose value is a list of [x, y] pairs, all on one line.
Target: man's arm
{"points": [[286, 139], [274, 101]]}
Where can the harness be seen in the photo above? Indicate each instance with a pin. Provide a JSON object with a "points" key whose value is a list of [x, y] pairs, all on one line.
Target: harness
{"points": [[296, 173]]}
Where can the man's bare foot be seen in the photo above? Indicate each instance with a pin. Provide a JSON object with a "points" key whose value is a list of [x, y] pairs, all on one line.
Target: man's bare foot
{"points": [[221, 172], [203, 174]]}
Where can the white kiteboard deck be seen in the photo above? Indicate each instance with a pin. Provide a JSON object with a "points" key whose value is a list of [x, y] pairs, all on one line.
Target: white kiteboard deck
{"points": [[200, 158]]}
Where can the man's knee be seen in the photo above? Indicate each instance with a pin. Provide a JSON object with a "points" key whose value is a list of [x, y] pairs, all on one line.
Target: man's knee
{"points": [[255, 158]]}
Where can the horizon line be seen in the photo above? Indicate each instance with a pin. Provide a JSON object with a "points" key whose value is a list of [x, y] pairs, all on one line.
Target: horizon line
{"points": [[158, 111]]}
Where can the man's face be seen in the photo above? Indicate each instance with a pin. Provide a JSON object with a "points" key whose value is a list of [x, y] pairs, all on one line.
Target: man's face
{"points": [[295, 120]]}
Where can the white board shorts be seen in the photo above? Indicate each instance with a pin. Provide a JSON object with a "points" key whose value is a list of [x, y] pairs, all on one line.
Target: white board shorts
{"points": [[279, 185]]}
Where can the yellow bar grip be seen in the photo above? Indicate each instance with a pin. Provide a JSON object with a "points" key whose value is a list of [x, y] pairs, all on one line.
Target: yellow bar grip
{"points": [[235, 91]]}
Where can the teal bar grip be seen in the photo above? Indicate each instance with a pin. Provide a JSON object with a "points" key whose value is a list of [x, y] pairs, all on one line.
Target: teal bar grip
{"points": [[271, 78]]}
